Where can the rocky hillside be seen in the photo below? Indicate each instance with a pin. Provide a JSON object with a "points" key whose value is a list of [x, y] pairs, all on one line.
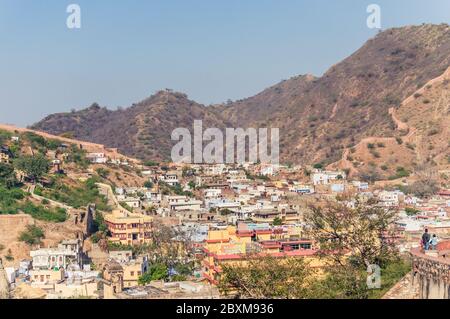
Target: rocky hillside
{"points": [[142, 130], [319, 118]]}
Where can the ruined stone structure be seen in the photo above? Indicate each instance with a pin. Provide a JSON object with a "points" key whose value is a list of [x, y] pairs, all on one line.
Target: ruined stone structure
{"points": [[431, 271]]}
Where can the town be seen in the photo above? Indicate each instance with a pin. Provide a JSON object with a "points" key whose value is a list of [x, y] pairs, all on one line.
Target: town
{"points": [[79, 220]]}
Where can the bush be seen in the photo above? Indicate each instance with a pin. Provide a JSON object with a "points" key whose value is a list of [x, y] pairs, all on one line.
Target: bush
{"points": [[104, 173], [155, 272], [76, 196], [277, 221], [8, 200], [57, 215], [411, 211], [318, 166], [32, 235], [148, 184]]}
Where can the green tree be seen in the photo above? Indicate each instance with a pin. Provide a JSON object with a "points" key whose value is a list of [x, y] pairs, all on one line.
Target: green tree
{"points": [[148, 184], [34, 166], [277, 221], [7, 176], [32, 235], [155, 272]]}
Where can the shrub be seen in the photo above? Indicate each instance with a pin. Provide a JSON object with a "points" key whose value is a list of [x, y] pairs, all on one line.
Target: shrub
{"points": [[155, 272], [57, 215], [32, 235], [402, 172], [318, 166], [104, 173]]}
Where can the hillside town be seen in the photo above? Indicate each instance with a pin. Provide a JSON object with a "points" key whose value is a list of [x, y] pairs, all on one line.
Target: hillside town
{"points": [[79, 221]]}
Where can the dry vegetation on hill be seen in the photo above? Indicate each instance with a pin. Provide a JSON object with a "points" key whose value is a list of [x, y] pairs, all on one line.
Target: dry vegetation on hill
{"points": [[320, 119]]}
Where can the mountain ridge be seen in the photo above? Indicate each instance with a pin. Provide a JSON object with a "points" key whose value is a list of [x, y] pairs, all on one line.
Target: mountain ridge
{"points": [[319, 117]]}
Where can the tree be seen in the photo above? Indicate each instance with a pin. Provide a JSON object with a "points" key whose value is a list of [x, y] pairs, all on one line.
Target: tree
{"points": [[156, 271], [7, 176], [168, 245], [192, 185], [277, 221], [361, 233], [148, 184], [34, 166], [225, 212], [264, 277], [318, 166], [370, 175], [427, 183], [350, 240]]}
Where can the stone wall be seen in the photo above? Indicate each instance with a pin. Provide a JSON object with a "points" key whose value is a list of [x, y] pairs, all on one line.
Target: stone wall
{"points": [[432, 273]]}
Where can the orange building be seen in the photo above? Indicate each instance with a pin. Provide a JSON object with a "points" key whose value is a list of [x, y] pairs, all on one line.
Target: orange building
{"points": [[128, 228], [235, 245]]}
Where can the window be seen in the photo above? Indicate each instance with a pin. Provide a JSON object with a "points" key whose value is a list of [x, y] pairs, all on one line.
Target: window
{"points": [[132, 273]]}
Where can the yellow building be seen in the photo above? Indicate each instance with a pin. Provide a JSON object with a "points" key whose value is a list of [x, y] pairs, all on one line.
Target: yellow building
{"points": [[287, 216], [235, 245], [46, 276], [133, 270], [129, 228]]}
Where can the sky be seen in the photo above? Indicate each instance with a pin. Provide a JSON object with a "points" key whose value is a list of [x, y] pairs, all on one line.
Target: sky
{"points": [[212, 50]]}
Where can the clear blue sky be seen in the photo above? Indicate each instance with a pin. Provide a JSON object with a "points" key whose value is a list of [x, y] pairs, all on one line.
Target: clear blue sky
{"points": [[212, 50]]}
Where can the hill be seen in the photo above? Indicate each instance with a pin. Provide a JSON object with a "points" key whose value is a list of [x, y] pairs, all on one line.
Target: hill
{"points": [[319, 118]]}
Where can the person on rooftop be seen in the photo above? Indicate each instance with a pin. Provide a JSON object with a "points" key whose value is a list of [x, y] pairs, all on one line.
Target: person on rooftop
{"points": [[426, 240], [434, 241]]}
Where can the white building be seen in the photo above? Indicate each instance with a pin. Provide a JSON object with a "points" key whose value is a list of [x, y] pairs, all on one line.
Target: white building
{"points": [[169, 178], [326, 177], [97, 158], [212, 193], [178, 203], [390, 198]]}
